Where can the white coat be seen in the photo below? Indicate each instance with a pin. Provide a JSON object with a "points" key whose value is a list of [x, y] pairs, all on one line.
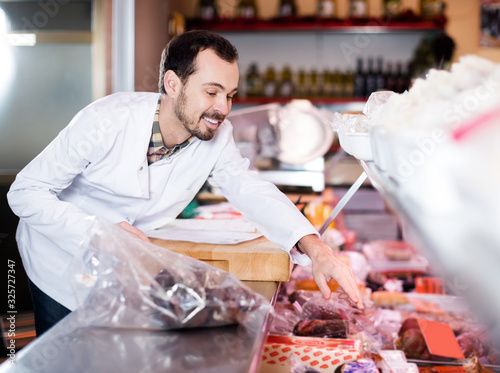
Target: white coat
{"points": [[97, 166]]}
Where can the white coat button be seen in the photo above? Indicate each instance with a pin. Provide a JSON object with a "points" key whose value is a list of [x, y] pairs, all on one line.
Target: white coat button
{"points": [[140, 169]]}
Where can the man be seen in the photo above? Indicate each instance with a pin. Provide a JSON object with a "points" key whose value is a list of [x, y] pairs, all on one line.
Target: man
{"points": [[138, 159]]}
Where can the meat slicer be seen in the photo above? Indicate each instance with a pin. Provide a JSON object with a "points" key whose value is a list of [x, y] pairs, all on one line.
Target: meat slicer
{"points": [[285, 143]]}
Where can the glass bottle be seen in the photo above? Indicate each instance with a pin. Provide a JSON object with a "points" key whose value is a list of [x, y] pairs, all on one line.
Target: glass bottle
{"points": [[327, 83], [380, 76], [247, 9], [370, 82], [207, 10], [401, 78], [286, 88], [337, 84], [359, 80], [269, 82], [358, 8], [431, 8], [392, 8], [302, 83], [390, 81], [314, 84], [326, 8], [253, 81], [287, 8], [348, 80]]}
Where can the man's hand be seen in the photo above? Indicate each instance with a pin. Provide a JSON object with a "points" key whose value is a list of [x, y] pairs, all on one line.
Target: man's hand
{"points": [[326, 266], [137, 233]]}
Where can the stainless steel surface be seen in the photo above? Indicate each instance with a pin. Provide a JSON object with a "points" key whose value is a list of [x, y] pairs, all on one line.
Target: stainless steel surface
{"points": [[69, 347]]}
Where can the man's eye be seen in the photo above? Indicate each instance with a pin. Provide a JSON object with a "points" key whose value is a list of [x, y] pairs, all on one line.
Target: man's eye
{"points": [[211, 93], [230, 98]]}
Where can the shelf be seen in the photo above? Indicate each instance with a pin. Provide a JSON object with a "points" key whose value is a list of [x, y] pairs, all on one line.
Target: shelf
{"points": [[312, 24]]}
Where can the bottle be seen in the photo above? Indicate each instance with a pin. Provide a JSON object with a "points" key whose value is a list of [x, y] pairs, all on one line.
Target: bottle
{"points": [[253, 81], [401, 78], [247, 9], [269, 82], [359, 80], [370, 83], [390, 80], [326, 8], [302, 83], [287, 8], [326, 83], [286, 84], [314, 84], [207, 10], [176, 24], [337, 83], [348, 87], [431, 8], [392, 8], [380, 76], [358, 8]]}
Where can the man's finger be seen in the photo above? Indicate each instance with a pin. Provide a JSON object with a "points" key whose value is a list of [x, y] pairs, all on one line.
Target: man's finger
{"points": [[325, 290], [352, 292]]}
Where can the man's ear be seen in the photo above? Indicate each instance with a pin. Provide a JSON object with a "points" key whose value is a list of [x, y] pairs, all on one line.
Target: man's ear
{"points": [[172, 83]]}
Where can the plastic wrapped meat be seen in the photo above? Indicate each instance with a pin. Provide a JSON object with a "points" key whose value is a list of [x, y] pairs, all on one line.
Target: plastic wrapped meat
{"points": [[409, 323], [323, 310], [321, 328], [412, 343], [471, 345], [142, 286], [301, 296], [203, 297]]}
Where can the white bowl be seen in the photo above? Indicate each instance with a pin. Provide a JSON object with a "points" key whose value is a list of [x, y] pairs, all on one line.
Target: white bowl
{"points": [[357, 144]]}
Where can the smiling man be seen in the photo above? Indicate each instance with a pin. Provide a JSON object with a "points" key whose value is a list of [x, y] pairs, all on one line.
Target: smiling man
{"points": [[137, 159]]}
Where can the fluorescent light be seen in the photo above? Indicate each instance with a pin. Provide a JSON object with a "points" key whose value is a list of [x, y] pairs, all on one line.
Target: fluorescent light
{"points": [[22, 40]]}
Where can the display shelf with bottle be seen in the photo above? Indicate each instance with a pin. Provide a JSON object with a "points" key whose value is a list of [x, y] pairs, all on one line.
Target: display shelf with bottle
{"points": [[393, 17], [320, 51], [329, 85]]}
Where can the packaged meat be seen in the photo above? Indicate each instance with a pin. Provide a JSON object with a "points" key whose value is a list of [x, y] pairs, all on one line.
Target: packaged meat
{"points": [[302, 296], [471, 345], [319, 308], [321, 328], [412, 343], [140, 285], [203, 297]]}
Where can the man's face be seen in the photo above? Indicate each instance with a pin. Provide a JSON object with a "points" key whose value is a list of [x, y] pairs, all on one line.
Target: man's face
{"points": [[206, 98]]}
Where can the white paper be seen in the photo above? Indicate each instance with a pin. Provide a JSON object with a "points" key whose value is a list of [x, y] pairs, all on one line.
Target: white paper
{"points": [[225, 232], [220, 225]]}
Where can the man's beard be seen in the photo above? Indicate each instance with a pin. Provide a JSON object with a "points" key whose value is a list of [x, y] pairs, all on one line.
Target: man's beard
{"points": [[193, 125]]}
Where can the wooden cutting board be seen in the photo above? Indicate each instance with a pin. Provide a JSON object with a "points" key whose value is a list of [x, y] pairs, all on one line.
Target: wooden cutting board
{"points": [[255, 260]]}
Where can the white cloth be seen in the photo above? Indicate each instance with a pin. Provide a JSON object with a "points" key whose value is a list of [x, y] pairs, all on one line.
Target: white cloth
{"points": [[97, 166]]}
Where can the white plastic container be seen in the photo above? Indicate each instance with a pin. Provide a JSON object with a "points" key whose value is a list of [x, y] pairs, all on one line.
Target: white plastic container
{"points": [[357, 144]]}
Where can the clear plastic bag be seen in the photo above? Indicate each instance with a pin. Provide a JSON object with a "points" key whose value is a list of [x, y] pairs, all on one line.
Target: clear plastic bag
{"points": [[136, 284]]}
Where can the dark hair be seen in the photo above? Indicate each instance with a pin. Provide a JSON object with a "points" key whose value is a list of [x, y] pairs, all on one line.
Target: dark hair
{"points": [[180, 53]]}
